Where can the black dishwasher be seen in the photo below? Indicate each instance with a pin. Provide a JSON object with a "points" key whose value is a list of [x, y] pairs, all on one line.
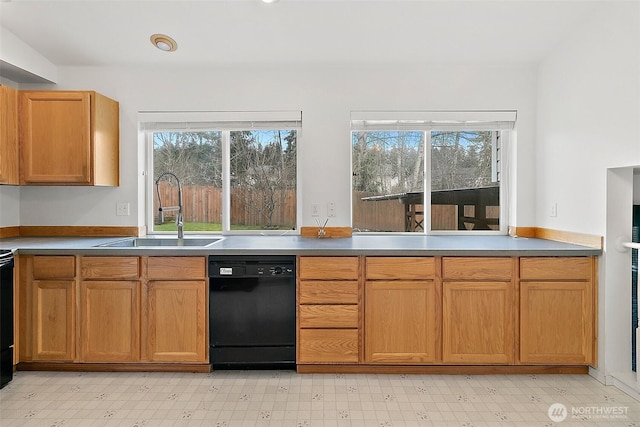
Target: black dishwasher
{"points": [[252, 312]]}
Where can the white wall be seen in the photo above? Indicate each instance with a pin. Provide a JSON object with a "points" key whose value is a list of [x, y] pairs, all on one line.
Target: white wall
{"points": [[588, 121], [588, 111], [325, 94], [9, 206], [22, 60]]}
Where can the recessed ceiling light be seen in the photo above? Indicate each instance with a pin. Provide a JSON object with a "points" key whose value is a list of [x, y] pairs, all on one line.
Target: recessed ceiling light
{"points": [[269, 1], [164, 42]]}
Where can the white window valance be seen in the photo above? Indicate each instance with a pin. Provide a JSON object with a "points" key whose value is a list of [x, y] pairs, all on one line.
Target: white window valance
{"points": [[433, 120], [219, 120]]}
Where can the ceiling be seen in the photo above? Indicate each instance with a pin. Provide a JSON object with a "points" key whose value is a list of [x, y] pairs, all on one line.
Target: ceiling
{"points": [[230, 32]]}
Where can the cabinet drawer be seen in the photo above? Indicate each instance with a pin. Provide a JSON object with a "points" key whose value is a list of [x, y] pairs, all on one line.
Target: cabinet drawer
{"points": [[328, 316], [400, 268], [54, 267], [472, 268], [111, 268], [328, 346], [555, 268], [176, 268], [328, 268], [333, 292]]}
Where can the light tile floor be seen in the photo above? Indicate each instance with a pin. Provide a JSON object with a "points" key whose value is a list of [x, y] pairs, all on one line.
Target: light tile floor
{"points": [[284, 398]]}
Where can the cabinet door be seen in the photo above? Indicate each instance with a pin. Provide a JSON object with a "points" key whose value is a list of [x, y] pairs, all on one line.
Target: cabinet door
{"points": [[400, 322], [54, 320], [55, 137], [8, 135], [110, 321], [478, 322], [177, 321], [556, 322]]}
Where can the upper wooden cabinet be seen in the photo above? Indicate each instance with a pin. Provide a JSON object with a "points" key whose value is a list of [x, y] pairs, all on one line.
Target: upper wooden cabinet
{"points": [[8, 135], [68, 138]]}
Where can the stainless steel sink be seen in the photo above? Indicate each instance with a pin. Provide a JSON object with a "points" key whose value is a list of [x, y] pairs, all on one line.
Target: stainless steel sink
{"points": [[162, 242]]}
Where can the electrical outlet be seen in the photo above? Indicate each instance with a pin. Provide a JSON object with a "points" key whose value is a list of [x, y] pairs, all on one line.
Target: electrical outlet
{"points": [[315, 209], [123, 209], [554, 210], [331, 209]]}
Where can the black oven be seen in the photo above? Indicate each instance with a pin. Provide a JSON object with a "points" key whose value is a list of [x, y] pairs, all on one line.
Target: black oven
{"points": [[252, 312], [6, 317]]}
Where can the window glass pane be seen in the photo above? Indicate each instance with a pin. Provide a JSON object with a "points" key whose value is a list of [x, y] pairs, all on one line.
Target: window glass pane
{"points": [[263, 179], [388, 181], [196, 159], [465, 194]]}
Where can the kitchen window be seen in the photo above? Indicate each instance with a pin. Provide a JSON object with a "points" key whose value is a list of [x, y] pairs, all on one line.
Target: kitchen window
{"points": [[237, 172], [456, 158]]}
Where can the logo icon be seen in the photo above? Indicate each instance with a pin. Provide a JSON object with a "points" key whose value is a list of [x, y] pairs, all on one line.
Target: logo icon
{"points": [[557, 412]]}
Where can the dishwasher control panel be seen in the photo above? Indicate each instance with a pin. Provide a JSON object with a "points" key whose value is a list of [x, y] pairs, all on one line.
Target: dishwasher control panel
{"points": [[254, 266]]}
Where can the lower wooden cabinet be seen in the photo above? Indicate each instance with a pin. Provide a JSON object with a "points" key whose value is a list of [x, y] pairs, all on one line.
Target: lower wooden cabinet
{"points": [[557, 310], [400, 322], [54, 320], [328, 346], [52, 304], [106, 310], [110, 321], [556, 321], [328, 311], [478, 323], [176, 321]]}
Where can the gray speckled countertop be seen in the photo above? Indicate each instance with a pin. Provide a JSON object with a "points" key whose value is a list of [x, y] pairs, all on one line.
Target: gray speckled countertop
{"points": [[401, 245]]}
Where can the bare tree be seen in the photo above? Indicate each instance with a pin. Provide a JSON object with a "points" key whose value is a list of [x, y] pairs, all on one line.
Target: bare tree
{"points": [[263, 169]]}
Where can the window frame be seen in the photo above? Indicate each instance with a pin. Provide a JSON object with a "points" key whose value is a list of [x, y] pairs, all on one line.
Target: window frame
{"points": [[151, 123], [500, 122]]}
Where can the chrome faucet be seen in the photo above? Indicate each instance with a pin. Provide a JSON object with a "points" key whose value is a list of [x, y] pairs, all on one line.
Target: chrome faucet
{"points": [[179, 220]]}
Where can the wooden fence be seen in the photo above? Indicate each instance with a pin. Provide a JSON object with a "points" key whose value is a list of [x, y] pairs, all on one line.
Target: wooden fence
{"points": [[204, 204], [389, 215]]}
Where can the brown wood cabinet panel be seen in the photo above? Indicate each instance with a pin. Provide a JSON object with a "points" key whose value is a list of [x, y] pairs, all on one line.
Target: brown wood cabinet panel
{"points": [[556, 321], [478, 322], [110, 267], [556, 268], [401, 324], [176, 268], [328, 268], [328, 346], [68, 137], [328, 316], [55, 137], [177, 323], [477, 268], [8, 135], [409, 268], [110, 321], [328, 292], [54, 320], [54, 267]]}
